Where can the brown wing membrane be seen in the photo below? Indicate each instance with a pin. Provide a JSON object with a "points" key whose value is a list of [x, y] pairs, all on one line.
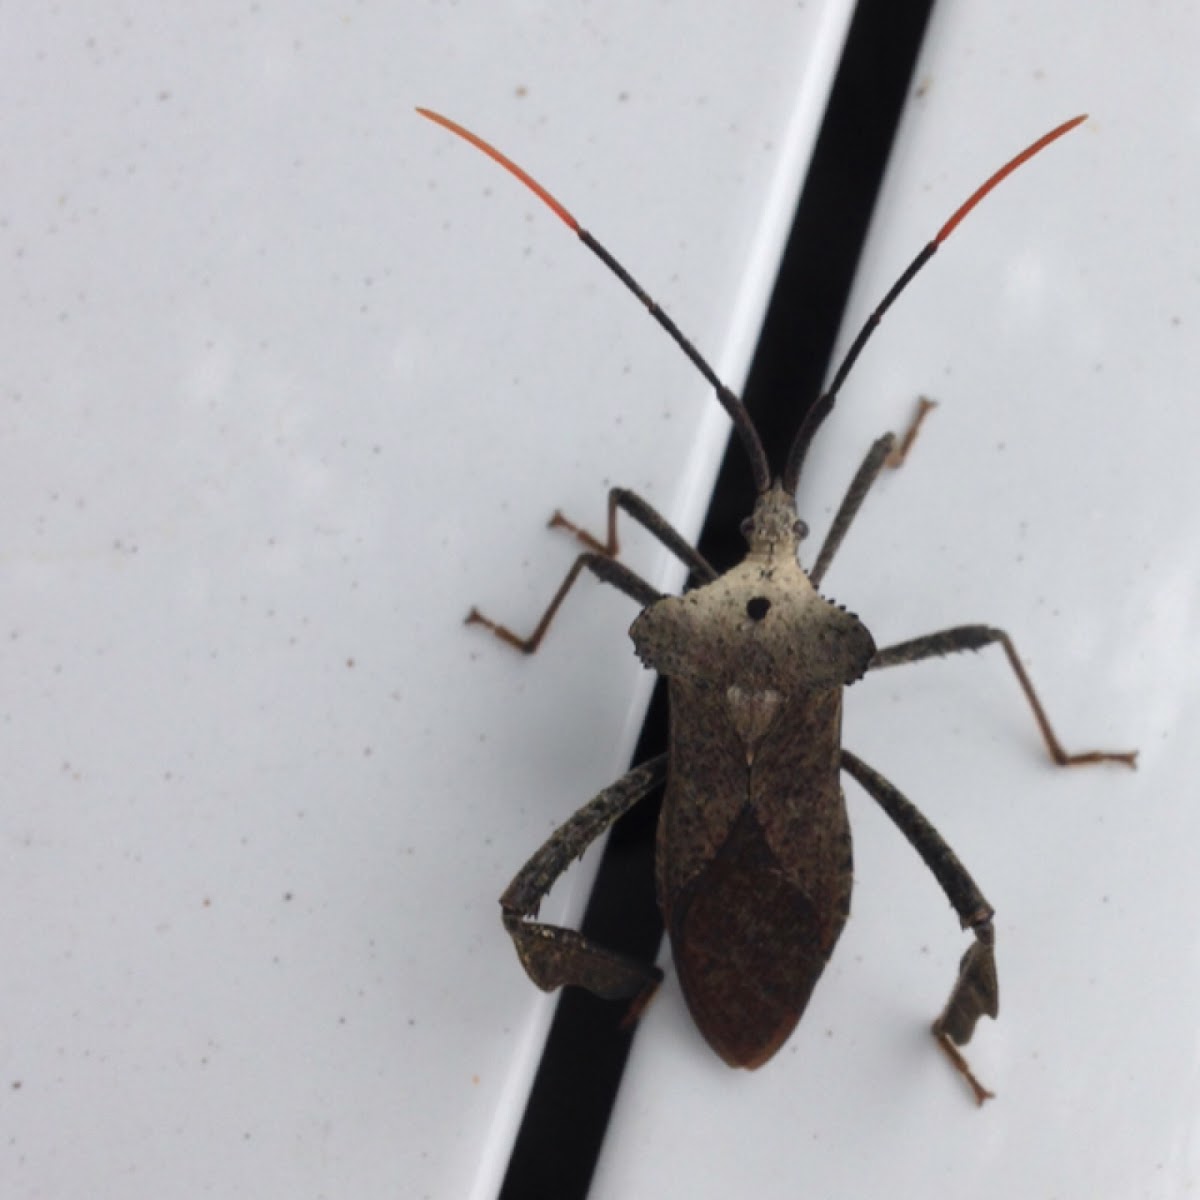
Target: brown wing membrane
{"points": [[750, 946]]}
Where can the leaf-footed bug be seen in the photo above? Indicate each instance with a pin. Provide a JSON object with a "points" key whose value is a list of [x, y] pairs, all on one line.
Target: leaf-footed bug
{"points": [[754, 866]]}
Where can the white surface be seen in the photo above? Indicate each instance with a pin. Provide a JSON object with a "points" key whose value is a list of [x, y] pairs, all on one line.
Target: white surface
{"points": [[290, 378], [1054, 492]]}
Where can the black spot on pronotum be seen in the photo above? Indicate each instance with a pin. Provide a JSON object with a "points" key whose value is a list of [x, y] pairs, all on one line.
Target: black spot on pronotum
{"points": [[757, 608]]}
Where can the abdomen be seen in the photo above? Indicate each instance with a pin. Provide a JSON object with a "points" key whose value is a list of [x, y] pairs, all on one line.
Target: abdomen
{"points": [[755, 874]]}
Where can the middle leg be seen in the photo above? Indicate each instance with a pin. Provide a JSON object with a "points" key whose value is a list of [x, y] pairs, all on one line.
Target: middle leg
{"points": [[976, 637]]}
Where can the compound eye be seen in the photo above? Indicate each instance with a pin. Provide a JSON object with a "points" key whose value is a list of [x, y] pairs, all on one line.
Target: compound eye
{"points": [[757, 608]]}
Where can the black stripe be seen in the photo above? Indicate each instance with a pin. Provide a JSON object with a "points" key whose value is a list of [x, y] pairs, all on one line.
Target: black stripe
{"points": [[576, 1084]]}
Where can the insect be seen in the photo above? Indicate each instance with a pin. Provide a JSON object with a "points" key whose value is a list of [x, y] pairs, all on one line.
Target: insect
{"points": [[754, 863]]}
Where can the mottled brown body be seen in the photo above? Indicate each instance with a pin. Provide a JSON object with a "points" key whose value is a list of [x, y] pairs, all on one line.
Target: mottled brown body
{"points": [[754, 857], [754, 885]]}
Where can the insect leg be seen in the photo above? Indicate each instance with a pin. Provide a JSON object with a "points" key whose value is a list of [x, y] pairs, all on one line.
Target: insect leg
{"points": [[553, 956], [603, 567], [885, 452], [860, 485], [649, 519], [976, 991], [976, 637]]}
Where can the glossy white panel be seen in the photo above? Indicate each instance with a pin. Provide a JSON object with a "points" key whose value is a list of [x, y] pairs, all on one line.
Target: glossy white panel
{"points": [[1053, 492], [290, 378]]}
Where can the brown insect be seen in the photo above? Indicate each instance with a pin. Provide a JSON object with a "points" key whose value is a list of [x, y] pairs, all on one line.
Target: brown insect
{"points": [[754, 854]]}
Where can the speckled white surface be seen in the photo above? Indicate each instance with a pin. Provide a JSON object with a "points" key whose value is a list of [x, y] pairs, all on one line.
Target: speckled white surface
{"points": [[289, 379], [1053, 492]]}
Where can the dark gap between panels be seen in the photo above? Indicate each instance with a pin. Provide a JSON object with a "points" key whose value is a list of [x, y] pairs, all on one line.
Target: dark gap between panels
{"points": [[568, 1110]]}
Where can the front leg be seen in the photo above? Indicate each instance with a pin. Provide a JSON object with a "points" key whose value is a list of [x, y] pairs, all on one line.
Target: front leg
{"points": [[650, 519], [976, 637], [553, 956], [885, 452], [604, 568], [600, 559], [976, 992]]}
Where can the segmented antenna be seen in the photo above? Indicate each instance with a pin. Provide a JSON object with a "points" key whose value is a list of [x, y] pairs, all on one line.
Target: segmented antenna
{"points": [[732, 405], [825, 402], [729, 402]]}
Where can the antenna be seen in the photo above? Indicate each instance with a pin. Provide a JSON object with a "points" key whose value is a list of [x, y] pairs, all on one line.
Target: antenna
{"points": [[729, 402], [825, 402], [742, 423]]}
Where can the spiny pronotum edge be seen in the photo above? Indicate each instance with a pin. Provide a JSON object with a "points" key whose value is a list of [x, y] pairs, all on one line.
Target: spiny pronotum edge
{"points": [[732, 405]]}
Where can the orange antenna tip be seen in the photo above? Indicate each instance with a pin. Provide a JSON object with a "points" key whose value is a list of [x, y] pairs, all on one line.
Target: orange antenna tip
{"points": [[504, 161], [1004, 172]]}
